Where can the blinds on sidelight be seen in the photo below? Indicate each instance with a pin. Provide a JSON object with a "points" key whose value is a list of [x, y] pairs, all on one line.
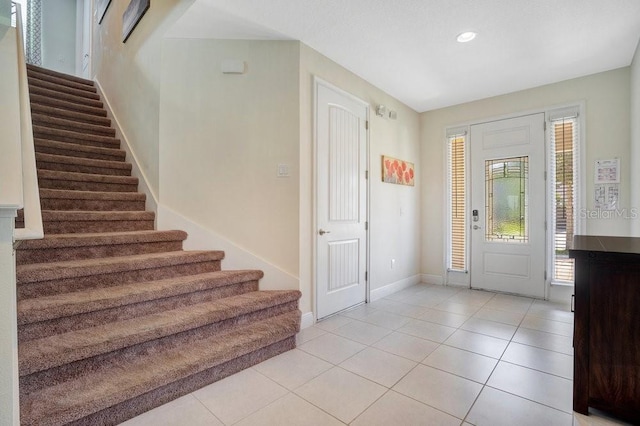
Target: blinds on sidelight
{"points": [[564, 167], [457, 205]]}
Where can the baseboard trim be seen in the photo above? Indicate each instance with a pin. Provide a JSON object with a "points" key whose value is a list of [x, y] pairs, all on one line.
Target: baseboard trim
{"points": [[236, 257], [394, 287], [143, 185], [432, 279], [308, 320]]}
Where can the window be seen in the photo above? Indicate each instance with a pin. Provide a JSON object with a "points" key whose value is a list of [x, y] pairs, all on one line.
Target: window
{"points": [[506, 214], [564, 184], [457, 250]]}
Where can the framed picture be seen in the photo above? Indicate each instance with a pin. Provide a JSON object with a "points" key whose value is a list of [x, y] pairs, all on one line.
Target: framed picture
{"points": [[101, 9], [134, 13], [397, 171]]}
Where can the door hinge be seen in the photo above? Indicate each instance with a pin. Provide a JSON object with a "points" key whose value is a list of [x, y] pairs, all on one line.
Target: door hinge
{"points": [[366, 124], [366, 174], [366, 276], [545, 175], [545, 225], [545, 126], [366, 226], [545, 275]]}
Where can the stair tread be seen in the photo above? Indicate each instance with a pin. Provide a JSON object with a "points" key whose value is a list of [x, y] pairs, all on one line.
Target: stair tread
{"points": [[70, 114], [101, 238], [41, 354], [83, 215], [128, 379], [67, 105], [37, 272], [79, 148], [47, 120], [63, 96], [66, 159], [67, 304], [62, 88], [31, 67], [37, 75], [86, 177], [71, 194], [111, 140]]}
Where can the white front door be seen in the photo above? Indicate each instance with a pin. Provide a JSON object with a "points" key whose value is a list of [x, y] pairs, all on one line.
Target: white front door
{"points": [[508, 206], [341, 200]]}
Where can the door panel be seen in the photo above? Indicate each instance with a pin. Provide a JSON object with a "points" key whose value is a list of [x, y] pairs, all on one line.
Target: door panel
{"points": [[508, 195], [341, 241]]}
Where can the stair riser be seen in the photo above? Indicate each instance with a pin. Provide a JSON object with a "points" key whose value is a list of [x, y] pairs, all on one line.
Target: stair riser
{"points": [[136, 406], [50, 377], [93, 205], [79, 168], [47, 149], [66, 114], [74, 126], [61, 88], [86, 186], [61, 81], [61, 254], [88, 140], [78, 227], [68, 106], [62, 325], [34, 90], [67, 285]]}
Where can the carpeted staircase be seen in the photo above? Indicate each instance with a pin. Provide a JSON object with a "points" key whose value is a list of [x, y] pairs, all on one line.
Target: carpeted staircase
{"points": [[114, 318]]}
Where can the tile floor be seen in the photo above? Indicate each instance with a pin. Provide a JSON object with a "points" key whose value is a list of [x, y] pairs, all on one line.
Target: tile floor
{"points": [[427, 355]]}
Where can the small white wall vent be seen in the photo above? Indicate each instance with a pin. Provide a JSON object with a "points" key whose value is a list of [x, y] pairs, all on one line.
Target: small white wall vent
{"points": [[232, 66]]}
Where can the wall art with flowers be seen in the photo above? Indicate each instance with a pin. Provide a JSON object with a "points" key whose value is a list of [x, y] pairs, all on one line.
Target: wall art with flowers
{"points": [[397, 171]]}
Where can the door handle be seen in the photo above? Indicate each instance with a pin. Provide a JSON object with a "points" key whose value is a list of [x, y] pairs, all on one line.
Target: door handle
{"points": [[476, 227], [322, 232]]}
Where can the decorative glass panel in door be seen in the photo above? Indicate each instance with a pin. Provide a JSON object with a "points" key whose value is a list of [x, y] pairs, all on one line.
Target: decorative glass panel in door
{"points": [[506, 204]]}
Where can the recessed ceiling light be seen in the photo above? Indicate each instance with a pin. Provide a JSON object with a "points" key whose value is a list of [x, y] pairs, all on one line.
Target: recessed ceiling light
{"points": [[466, 36]]}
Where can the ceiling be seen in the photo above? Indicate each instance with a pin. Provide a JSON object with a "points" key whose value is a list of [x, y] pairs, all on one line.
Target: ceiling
{"points": [[408, 48]]}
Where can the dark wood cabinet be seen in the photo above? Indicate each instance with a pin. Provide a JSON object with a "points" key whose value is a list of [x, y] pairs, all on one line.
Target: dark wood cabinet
{"points": [[607, 325]]}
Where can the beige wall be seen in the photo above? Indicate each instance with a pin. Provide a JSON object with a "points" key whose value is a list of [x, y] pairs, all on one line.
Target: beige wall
{"points": [[129, 74], [606, 96], [394, 210], [635, 139], [222, 137], [211, 123]]}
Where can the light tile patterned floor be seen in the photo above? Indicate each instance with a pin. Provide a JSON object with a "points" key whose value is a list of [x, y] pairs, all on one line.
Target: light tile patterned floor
{"points": [[427, 355]]}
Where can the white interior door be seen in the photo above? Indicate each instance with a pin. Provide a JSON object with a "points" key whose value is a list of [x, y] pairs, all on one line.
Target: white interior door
{"points": [[508, 206], [341, 200], [85, 60]]}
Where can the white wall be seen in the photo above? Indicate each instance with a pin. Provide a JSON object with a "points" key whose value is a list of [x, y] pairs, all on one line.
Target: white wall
{"points": [[59, 35], [222, 137], [635, 139], [607, 100], [394, 209], [129, 74]]}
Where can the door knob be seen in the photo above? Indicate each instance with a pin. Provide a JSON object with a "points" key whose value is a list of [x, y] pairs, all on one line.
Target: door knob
{"points": [[322, 232]]}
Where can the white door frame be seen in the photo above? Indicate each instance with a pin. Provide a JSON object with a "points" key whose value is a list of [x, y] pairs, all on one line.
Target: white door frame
{"points": [[317, 81], [582, 195]]}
